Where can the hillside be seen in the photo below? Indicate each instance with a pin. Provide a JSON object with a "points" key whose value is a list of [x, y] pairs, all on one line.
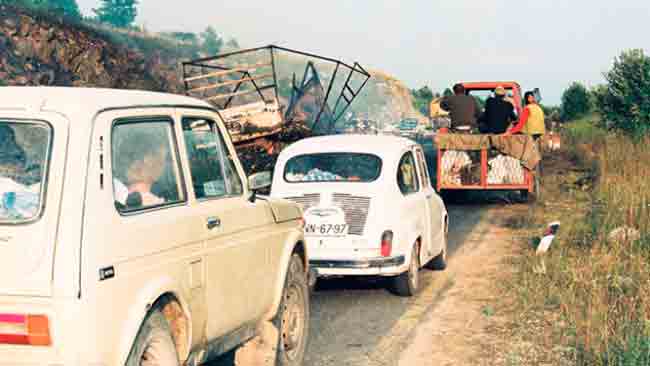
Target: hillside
{"points": [[41, 50], [386, 99]]}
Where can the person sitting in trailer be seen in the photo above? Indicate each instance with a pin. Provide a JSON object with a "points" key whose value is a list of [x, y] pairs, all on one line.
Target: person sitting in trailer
{"points": [[498, 114], [532, 119]]}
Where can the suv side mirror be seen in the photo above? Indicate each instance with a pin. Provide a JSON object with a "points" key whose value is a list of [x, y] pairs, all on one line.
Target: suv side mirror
{"points": [[259, 181]]}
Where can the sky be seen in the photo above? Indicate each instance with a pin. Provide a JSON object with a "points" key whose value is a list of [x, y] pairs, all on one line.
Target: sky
{"points": [[545, 43]]}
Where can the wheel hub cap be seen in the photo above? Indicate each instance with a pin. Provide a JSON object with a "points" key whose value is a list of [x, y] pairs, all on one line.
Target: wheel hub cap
{"points": [[292, 320]]}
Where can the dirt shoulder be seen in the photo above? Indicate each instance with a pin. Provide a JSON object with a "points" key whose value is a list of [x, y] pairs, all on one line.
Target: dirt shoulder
{"points": [[468, 325], [477, 321]]}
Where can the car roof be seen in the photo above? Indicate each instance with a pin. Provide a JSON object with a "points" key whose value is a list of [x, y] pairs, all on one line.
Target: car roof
{"points": [[73, 101], [356, 143]]}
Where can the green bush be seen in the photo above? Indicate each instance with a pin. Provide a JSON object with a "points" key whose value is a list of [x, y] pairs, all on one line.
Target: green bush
{"points": [[576, 102], [552, 112], [625, 101]]}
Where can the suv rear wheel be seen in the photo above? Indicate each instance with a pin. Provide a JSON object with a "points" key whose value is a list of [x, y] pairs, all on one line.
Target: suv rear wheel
{"points": [[292, 319], [154, 345]]}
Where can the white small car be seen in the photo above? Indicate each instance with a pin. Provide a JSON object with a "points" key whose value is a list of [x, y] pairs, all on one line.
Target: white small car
{"points": [[369, 206], [129, 234]]}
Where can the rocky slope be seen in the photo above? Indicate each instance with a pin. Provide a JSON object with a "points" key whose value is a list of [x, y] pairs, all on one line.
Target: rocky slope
{"points": [[42, 50]]}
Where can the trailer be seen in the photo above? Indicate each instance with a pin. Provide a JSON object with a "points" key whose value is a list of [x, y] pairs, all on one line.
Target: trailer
{"points": [[246, 86], [488, 163]]}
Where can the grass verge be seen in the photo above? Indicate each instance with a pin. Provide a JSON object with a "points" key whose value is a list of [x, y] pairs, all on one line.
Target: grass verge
{"points": [[593, 298]]}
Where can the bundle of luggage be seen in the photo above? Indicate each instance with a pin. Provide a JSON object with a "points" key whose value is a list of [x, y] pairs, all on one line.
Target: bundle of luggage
{"points": [[454, 166], [505, 170]]}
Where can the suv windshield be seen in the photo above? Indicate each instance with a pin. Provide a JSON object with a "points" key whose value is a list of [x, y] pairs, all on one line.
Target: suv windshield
{"points": [[24, 150], [333, 167]]}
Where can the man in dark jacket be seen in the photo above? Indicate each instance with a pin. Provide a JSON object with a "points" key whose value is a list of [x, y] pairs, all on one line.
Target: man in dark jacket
{"points": [[463, 109], [499, 113]]}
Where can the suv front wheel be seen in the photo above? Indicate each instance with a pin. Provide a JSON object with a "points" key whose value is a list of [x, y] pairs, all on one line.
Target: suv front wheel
{"points": [[292, 319]]}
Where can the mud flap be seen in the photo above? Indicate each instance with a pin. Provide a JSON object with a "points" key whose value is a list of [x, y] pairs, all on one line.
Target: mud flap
{"points": [[313, 276], [262, 349]]}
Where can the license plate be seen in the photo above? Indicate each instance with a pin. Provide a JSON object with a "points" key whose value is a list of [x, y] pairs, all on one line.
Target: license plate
{"points": [[326, 229]]}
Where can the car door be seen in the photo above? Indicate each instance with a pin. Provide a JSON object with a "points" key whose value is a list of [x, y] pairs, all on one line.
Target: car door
{"points": [[414, 206], [433, 205], [237, 232], [140, 235]]}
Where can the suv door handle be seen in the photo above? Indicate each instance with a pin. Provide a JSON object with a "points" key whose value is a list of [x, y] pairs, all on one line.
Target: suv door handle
{"points": [[213, 222]]}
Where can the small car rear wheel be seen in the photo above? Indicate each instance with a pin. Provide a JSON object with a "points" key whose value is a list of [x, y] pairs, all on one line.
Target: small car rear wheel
{"points": [[154, 345], [439, 262], [408, 283], [292, 319]]}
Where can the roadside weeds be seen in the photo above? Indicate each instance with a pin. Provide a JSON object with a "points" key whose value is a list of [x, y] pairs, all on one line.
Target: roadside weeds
{"points": [[591, 306]]}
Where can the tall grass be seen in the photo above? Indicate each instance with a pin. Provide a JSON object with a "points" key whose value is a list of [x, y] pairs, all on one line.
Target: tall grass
{"points": [[599, 287]]}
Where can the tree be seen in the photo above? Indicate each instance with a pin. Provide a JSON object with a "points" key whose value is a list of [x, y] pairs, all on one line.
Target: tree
{"points": [[233, 44], [447, 93], [625, 101], [119, 13], [67, 8], [186, 37], [421, 99], [212, 43], [575, 102]]}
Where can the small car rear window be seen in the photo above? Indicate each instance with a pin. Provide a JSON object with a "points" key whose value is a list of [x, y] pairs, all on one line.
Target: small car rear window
{"points": [[333, 167], [24, 157]]}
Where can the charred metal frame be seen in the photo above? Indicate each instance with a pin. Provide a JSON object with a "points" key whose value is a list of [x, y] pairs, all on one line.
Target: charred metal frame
{"points": [[345, 98]]}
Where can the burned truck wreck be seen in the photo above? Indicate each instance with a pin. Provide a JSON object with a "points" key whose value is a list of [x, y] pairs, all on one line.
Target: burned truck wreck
{"points": [[272, 96]]}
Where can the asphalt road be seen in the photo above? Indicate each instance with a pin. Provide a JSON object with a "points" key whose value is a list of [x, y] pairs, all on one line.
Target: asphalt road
{"points": [[358, 322]]}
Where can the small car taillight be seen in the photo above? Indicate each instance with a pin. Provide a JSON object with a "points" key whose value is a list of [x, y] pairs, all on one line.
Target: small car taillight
{"points": [[386, 243], [22, 329]]}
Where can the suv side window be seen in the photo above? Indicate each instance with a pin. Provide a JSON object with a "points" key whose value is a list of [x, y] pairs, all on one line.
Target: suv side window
{"points": [[407, 179], [212, 166], [146, 170]]}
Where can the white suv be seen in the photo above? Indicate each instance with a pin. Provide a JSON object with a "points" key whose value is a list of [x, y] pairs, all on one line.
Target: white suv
{"points": [[129, 234]]}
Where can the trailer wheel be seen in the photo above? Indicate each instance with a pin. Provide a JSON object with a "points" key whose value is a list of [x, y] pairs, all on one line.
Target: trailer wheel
{"points": [[536, 194]]}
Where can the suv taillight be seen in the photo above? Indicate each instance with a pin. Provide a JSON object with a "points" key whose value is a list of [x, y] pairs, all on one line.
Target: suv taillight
{"points": [[22, 329], [386, 243]]}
